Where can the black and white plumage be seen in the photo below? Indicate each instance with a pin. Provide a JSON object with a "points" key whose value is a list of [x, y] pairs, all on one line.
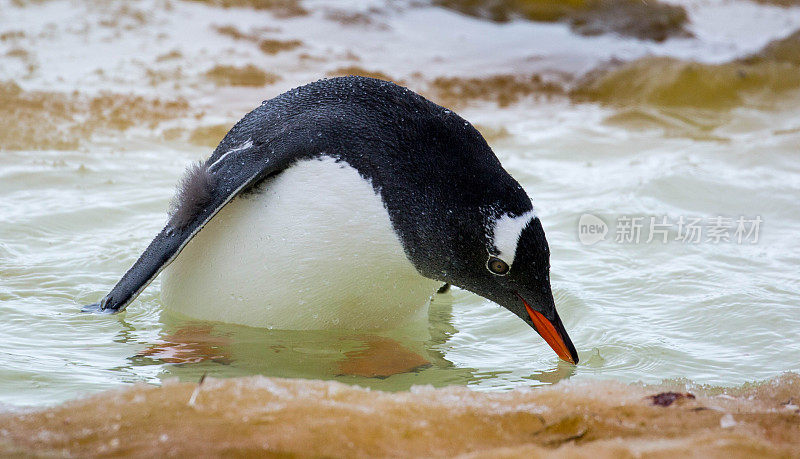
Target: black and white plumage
{"points": [[346, 203]]}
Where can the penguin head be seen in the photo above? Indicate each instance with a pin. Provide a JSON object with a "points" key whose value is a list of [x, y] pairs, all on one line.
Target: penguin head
{"points": [[510, 265]]}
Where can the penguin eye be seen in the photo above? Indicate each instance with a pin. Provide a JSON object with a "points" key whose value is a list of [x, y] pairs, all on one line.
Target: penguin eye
{"points": [[497, 266]]}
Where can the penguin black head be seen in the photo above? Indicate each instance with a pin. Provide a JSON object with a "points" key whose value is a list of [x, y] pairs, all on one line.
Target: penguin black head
{"points": [[523, 285], [509, 263]]}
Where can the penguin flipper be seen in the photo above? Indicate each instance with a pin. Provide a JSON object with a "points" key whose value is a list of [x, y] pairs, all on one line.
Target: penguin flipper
{"points": [[225, 175]]}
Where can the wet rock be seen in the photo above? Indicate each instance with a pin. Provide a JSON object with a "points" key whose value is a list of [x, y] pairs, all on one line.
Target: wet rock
{"points": [[170, 56], [645, 20], [670, 82], [783, 3], [501, 89], [248, 75], [233, 32], [507, 10], [356, 18], [784, 50], [283, 8], [12, 35], [651, 20], [266, 45], [273, 46]]}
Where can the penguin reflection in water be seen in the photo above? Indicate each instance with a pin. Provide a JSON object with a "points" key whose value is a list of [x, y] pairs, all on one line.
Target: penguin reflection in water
{"points": [[345, 204]]}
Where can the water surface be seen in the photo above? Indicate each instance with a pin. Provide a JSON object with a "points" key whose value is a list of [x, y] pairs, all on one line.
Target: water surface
{"points": [[73, 220]]}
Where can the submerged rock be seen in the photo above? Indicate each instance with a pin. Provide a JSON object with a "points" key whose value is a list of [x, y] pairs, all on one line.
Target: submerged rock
{"points": [[650, 20], [258, 416]]}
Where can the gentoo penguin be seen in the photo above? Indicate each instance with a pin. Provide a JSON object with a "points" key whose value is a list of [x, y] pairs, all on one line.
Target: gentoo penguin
{"points": [[346, 203]]}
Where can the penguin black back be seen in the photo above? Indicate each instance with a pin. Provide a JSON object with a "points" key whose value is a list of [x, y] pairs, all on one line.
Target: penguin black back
{"points": [[421, 157]]}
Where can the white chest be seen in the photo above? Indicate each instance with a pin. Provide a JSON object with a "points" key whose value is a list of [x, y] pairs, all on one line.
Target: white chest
{"points": [[312, 248]]}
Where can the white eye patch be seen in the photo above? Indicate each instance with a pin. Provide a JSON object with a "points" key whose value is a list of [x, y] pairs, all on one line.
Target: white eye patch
{"points": [[506, 232]]}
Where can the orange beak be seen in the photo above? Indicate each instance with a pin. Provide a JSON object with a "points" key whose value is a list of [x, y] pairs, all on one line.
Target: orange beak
{"points": [[554, 334]]}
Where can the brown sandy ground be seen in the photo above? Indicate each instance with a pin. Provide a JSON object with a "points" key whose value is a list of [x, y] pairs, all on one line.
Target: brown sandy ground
{"points": [[258, 416]]}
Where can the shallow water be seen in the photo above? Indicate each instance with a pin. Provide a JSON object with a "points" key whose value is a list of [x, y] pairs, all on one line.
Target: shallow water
{"points": [[72, 221]]}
